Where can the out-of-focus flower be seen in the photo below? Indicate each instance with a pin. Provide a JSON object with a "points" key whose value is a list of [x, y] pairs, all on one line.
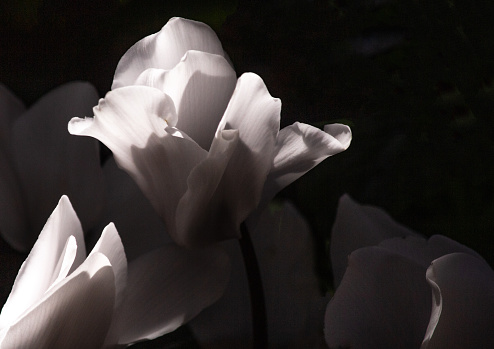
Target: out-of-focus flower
{"points": [[61, 299], [203, 147], [40, 161], [384, 298], [294, 304]]}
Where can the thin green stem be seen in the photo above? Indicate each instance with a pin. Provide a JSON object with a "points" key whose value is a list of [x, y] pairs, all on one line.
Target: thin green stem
{"points": [[258, 306]]}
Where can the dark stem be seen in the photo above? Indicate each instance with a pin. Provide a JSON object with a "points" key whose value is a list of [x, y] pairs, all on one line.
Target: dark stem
{"points": [[258, 306]]}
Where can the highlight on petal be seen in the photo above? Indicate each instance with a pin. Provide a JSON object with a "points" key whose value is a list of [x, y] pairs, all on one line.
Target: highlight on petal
{"points": [[163, 50], [74, 314], [301, 147], [200, 86], [167, 287], [50, 162], [463, 300], [382, 302], [357, 226], [46, 261]]}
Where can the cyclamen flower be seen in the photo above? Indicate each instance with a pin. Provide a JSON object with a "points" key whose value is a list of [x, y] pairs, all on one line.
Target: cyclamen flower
{"points": [[203, 147], [40, 161], [384, 298], [63, 299]]}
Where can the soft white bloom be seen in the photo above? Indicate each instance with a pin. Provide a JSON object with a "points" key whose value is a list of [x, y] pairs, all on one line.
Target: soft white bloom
{"points": [[384, 297], [294, 305], [203, 146], [40, 161], [63, 299]]}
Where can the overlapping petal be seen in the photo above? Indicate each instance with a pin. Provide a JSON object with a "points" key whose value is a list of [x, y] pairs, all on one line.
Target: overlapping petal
{"points": [[163, 50]]}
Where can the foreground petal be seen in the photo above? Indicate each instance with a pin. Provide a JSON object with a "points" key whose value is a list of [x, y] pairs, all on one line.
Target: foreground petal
{"points": [[301, 147], [131, 122], [201, 86], [50, 162], [357, 226], [46, 261], [75, 314], [164, 49], [463, 302], [168, 287], [382, 302]]}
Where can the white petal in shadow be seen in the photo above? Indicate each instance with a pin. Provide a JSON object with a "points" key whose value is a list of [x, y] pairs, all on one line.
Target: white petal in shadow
{"points": [[163, 50]]}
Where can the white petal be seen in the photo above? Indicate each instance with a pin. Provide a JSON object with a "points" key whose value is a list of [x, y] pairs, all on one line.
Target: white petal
{"points": [[463, 303], [382, 302], [301, 147], [42, 266], [51, 163], [168, 287], [74, 314], [357, 226], [110, 245], [164, 49], [131, 122], [201, 86]]}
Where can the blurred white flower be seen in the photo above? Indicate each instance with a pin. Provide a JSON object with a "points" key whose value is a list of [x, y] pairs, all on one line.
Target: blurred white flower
{"points": [[203, 146], [384, 298], [40, 161], [294, 305], [63, 299]]}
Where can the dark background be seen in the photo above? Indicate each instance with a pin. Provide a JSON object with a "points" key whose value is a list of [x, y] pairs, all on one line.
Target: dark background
{"points": [[414, 79]]}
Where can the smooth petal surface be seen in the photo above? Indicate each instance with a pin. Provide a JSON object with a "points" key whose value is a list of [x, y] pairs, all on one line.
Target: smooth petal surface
{"points": [[301, 147], [131, 122], [45, 263], [382, 302], [164, 49], [167, 287], [357, 226], [50, 162], [74, 314], [463, 302], [200, 86], [10, 108]]}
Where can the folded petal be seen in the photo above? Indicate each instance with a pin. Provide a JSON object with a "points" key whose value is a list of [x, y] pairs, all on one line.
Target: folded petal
{"points": [[357, 226], [382, 302], [139, 226], [164, 49], [168, 287], [46, 261], [256, 115], [50, 162], [301, 147], [201, 86], [131, 121], [74, 314], [463, 302]]}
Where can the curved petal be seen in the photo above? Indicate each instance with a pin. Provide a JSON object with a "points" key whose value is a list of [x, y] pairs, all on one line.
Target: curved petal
{"points": [[74, 314], [110, 245], [301, 147], [382, 302], [164, 49], [201, 86], [357, 226], [256, 115], [139, 226], [202, 217], [131, 122], [463, 301], [10, 108], [167, 287], [43, 266], [50, 162]]}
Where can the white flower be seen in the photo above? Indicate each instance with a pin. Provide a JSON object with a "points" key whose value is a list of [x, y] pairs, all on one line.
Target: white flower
{"points": [[203, 147], [384, 297], [63, 299], [40, 161]]}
